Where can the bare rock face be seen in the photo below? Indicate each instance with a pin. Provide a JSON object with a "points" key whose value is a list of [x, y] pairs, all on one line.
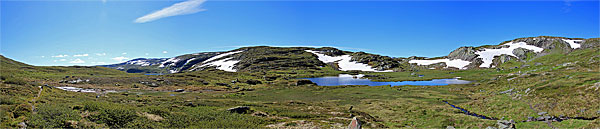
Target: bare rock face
{"points": [[590, 43], [502, 59], [463, 53], [521, 53]]}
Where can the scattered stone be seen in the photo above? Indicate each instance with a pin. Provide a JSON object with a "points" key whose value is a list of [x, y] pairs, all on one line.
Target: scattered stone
{"points": [[504, 124], [222, 84], [354, 124], [542, 113], [22, 125], [239, 109], [179, 90], [253, 82], [537, 64], [450, 127], [260, 114], [507, 91]]}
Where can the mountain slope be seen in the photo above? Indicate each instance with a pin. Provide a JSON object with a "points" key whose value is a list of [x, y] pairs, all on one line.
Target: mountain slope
{"points": [[264, 58], [521, 49]]}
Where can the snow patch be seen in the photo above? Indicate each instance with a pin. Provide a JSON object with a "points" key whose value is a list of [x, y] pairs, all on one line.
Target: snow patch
{"points": [[488, 54], [456, 63], [220, 56], [139, 62], [225, 64], [573, 44], [171, 61], [344, 62]]}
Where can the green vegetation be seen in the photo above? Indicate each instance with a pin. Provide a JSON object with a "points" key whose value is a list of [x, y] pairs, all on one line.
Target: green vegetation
{"points": [[559, 83]]}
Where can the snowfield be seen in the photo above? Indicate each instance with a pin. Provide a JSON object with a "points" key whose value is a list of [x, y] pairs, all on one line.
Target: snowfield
{"points": [[139, 62], [344, 62], [488, 54], [220, 56], [573, 44], [224, 64], [171, 61], [457, 63]]}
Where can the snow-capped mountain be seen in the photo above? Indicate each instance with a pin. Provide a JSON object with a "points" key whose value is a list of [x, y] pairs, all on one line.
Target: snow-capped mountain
{"points": [[261, 58]]}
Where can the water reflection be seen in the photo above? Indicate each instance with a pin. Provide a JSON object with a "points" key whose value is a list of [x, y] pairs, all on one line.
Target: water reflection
{"points": [[347, 79]]}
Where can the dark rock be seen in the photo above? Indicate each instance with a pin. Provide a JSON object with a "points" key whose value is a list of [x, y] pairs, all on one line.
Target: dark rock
{"points": [[179, 90], [303, 82], [253, 82], [222, 84], [239, 109]]}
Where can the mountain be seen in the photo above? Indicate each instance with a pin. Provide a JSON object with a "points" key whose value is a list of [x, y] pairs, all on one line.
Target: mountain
{"points": [[490, 56], [262, 58]]}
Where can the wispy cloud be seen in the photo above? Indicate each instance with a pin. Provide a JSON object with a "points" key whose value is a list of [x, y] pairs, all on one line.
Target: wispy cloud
{"points": [[62, 60], [80, 55], [101, 54], [77, 61], [60, 56], [124, 53], [181, 8], [165, 52], [120, 58]]}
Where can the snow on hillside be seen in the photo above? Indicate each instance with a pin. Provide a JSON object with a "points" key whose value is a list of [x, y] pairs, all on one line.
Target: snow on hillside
{"points": [[224, 64], [573, 44], [171, 61], [488, 54], [344, 62], [139, 62], [220, 56], [457, 63]]}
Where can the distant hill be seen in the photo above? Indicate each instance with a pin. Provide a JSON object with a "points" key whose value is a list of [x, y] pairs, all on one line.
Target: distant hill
{"points": [[264, 58]]}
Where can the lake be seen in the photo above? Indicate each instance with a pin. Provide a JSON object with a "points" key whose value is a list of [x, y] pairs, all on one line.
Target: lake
{"points": [[347, 79]]}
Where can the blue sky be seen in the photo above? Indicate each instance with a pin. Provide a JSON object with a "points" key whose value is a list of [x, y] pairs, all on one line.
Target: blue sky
{"points": [[105, 32]]}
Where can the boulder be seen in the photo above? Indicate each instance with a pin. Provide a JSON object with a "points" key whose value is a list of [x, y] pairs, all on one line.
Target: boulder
{"points": [[303, 82], [239, 109], [179, 90], [253, 82], [505, 124]]}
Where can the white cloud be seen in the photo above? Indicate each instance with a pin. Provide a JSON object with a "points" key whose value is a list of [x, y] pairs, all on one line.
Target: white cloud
{"points": [[62, 60], [165, 52], [80, 55], [43, 56], [60, 56], [147, 54], [120, 59], [181, 8], [124, 53], [101, 62], [77, 61], [101, 54]]}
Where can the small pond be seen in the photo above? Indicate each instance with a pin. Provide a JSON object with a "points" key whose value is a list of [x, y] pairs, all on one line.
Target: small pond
{"points": [[347, 79]]}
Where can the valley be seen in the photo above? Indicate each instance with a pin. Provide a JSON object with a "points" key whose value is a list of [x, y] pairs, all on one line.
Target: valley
{"points": [[532, 81]]}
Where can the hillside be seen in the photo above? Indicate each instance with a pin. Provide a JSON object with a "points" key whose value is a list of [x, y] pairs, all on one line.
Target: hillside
{"points": [[264, 58], [553, 87]]}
